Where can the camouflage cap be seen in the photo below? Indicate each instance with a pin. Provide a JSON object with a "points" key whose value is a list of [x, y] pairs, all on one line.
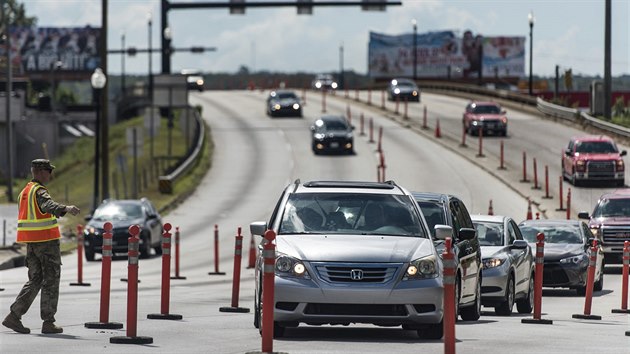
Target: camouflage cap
{"points": [[42, 164]]}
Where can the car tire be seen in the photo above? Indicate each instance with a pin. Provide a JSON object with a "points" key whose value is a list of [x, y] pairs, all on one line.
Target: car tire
{"points": [[581, 291], [599, 284], [472, 313], [526, 305], [432, 331], [89, 254], [145, 247], [505, 307]]}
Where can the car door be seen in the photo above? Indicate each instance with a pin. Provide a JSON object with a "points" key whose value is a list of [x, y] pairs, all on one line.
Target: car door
{"points": [[567, 160], [468, 253], [520, 258], [153, 222]]}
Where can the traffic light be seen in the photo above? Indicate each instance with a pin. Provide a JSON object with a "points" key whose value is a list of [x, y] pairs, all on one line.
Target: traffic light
{"points": [[373, 5], [237, 7], [304, 7]]}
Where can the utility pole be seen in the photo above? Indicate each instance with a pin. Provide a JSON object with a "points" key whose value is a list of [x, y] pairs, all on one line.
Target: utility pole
{"points": [[8, 88], [104, 100], [607, 59]]}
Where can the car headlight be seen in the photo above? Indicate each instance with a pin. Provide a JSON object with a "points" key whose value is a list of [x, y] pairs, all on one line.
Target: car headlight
{"points": [[422, 268], [319, 136], [595, 230], [92, 230], [396, 90], [296, 106], [276, 106], [334, 85], [492, 262], [475, 122], [579, 259], [290, 267], [415, 93], [318, 84]]}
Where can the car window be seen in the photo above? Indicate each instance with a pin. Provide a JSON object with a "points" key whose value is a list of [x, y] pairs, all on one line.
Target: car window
{"points": [[562, 234], [486, 109], [433, 214], [489, 233], [511, 233], [459, 209], [612, 208], [517, 231], [118, 211], [335, 125], [345, 213], [286, 95], [598, 147]]}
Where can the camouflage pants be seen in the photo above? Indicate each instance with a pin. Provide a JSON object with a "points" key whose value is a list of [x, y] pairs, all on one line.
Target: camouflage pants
{"points": [[43, 260]]}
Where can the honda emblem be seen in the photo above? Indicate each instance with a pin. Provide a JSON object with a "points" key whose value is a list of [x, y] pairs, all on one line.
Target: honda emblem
{"points": [[356, 274]]}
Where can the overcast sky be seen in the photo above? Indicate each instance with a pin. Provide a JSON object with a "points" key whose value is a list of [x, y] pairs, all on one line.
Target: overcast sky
{"points": [[569, 33]]}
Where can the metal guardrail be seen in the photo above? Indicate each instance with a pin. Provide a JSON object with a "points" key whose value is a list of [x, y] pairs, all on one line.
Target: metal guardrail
{"points": [[166, 182], [547, 108]]}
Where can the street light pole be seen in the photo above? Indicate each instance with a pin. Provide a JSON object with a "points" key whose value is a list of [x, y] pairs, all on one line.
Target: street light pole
{"points": [[98, 80], [8, 88], [342, 83], [530, 19], [150, 93], [415, 48], [122, 65]]}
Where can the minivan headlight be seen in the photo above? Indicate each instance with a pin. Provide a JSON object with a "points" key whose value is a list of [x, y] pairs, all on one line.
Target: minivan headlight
{"points": [[422, 268], [290, 267]]}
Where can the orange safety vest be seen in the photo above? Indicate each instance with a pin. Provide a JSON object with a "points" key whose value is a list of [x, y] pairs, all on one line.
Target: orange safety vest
{"points": [[33, 224]]}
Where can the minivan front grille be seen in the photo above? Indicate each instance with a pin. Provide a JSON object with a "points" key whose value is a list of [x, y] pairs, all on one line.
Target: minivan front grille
{"points": [[356, 273]]}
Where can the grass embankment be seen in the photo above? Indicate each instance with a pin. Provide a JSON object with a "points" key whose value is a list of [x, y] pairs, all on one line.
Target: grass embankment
{"points": [[73, 178]]}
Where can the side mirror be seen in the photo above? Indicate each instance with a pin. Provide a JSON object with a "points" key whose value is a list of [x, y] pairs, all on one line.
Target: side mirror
{"points": [[520, 244], [88, 217], [567, 152], [443, 231], [590, 241], [467, 233], [258, 228], [584, 215], [623, 153], [504, 112], [312, 128]]}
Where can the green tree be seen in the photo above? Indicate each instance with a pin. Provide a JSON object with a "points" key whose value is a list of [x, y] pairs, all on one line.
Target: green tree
{"points": [[16, 14]]}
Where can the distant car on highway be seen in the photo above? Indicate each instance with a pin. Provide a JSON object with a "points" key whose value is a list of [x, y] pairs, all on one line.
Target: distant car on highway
{"points": [[122, 214], [194, 79], [352, 252], [445, 209], [403, 90], [324, 82], [610, 223], [283, 103], [567, 253], [593, 158], [332, 134], [508, 265], [487, 116]]}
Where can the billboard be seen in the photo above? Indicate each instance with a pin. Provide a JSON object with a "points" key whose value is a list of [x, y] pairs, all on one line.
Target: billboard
{"points": [[37, 49], [442, 54]]}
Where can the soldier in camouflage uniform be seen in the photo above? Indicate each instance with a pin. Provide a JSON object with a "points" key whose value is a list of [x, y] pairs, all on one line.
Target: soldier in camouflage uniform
{"points": [[37, 227]]}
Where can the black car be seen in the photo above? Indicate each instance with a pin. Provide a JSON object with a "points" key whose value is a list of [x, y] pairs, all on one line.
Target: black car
{"points": [[122, 214], [444, 209], [403, 90], [332, 134], [283, 103], [567, 251]]}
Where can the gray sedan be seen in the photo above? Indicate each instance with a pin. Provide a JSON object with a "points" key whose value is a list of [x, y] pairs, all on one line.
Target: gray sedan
{"points": [[508, 265]]}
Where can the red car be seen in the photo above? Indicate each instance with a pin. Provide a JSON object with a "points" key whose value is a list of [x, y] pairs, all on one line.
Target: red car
{"points": [[593, 158], [489, 116]]}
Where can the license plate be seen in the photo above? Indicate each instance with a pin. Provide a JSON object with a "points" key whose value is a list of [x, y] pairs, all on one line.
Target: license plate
{"points": [[334, 145]]}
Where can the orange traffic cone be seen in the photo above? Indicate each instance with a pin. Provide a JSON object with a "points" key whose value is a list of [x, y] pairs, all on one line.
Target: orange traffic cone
{"points": [[438, 133], [490, 210], [529, 209]]}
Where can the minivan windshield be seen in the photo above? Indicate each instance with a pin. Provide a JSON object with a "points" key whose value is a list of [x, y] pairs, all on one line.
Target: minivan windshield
{"points": [[351, 213]]}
